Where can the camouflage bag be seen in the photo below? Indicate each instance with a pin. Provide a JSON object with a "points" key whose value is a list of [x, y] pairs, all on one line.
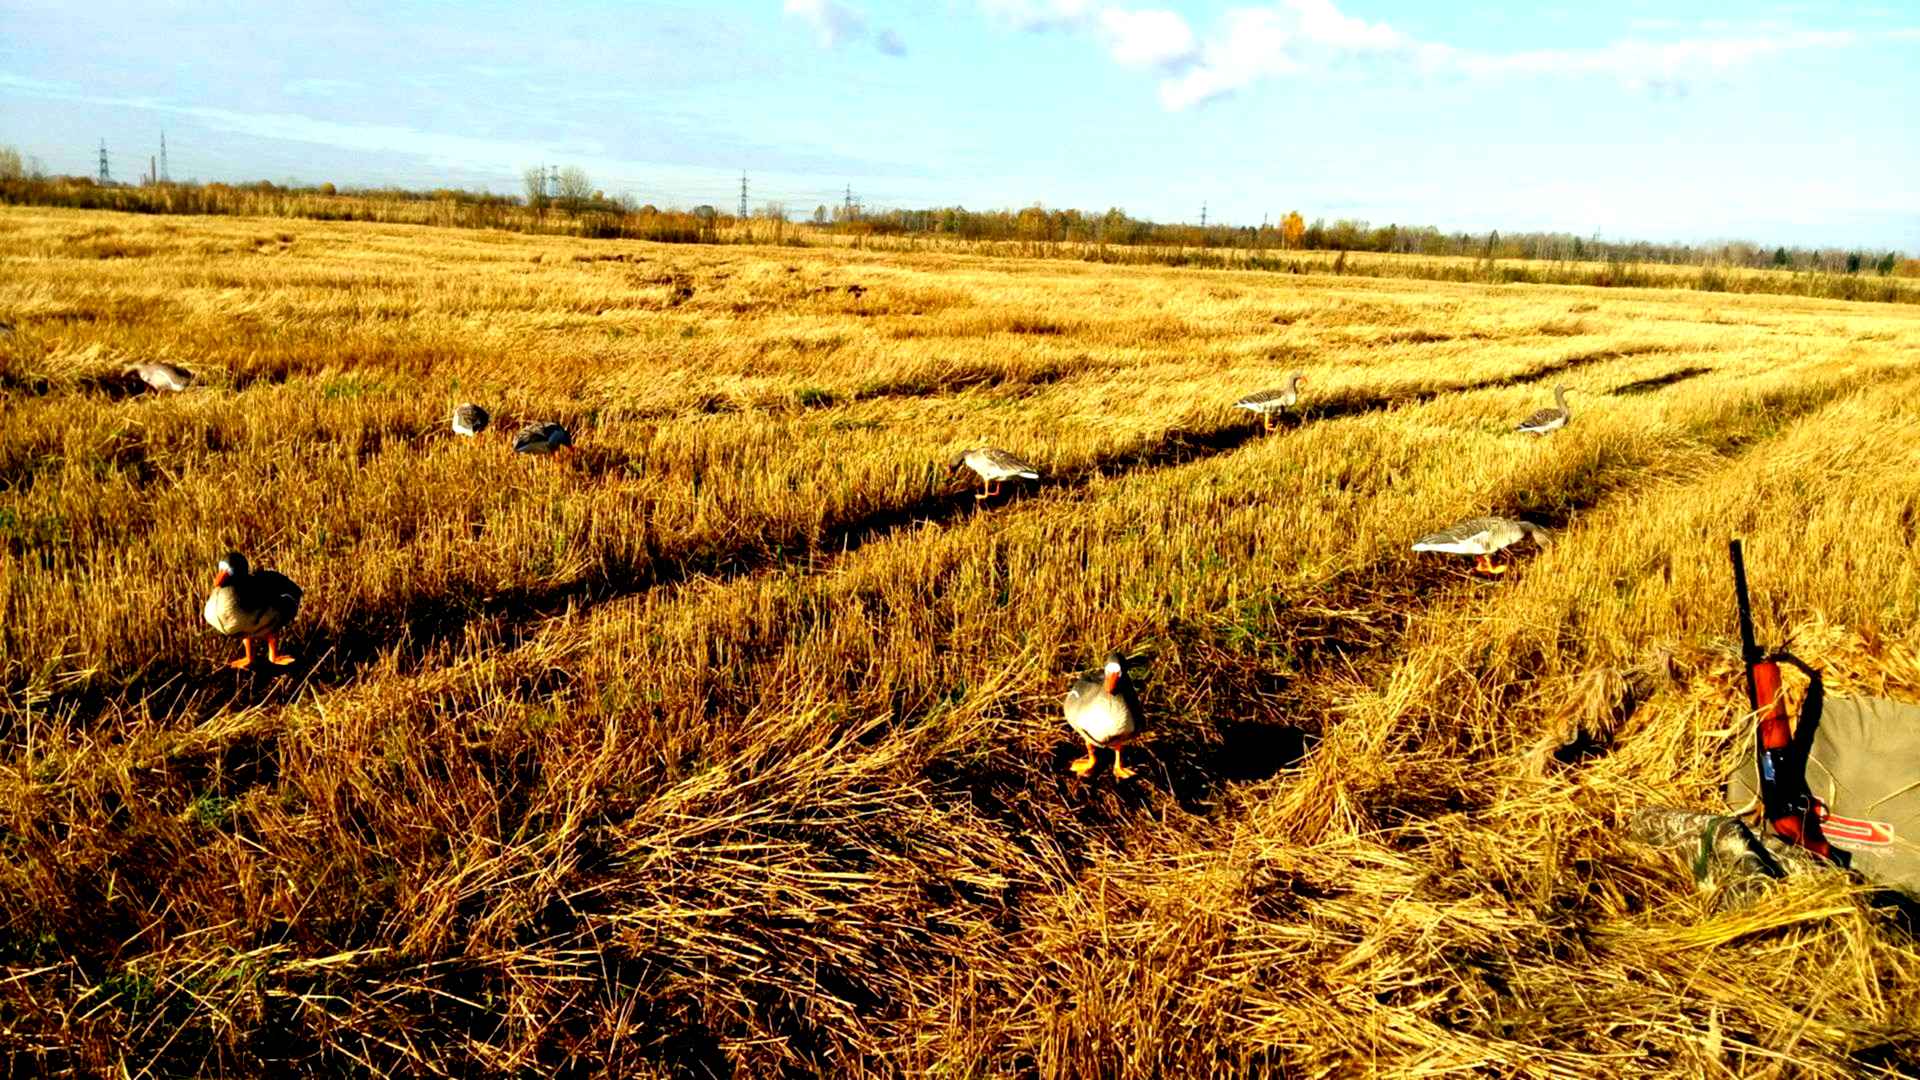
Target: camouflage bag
{"points": [[1859, 764]]}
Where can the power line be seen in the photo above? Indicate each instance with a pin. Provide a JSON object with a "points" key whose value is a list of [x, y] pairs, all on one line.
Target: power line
{"points": [[105, 176], [743, 194], [1203, 215], [164, 178]]}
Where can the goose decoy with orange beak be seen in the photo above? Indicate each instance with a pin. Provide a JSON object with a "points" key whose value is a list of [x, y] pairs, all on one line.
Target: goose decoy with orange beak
{"points": [[543, 438], [1265, 403], [249, 604], [1481, 537], [1105, 712], [993, 466], [1550, 419]]}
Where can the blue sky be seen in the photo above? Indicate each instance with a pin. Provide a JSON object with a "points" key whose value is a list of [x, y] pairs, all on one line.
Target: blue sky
{"points": [[1784, 123]]}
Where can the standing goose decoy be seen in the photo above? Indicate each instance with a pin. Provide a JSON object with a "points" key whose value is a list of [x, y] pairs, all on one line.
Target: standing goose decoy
{"points": [[157, 375], [993, 466], [1105, 712], [250, 604], [1265, 403], [542, 438], [1481, 537], [1552, 418], [470, 419]]}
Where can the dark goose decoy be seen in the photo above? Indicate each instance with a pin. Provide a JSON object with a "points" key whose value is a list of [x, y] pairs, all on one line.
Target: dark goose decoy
{"points": [[1481, 537], [542, 438], [1105, 712], [249, 604], [993, 466], [1552, 418], [470, 419], [1266, 403], [156, 375]]}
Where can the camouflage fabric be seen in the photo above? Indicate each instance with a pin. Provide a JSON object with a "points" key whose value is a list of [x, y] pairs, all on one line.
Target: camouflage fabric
{"points": [[1865, 769]]}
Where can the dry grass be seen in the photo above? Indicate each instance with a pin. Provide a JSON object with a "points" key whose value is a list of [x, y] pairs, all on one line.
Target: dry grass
{"points": [[733, 744]]}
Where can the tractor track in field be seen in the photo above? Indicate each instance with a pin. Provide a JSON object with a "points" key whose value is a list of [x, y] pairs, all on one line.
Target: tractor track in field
{"points": [[510, 617]]}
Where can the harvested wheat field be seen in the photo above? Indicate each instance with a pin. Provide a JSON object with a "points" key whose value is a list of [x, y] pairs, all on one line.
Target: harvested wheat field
{"points": [[730, 742]]}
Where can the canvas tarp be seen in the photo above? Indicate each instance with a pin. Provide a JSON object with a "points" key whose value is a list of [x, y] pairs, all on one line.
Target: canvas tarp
{"points": [[1865, 770]]}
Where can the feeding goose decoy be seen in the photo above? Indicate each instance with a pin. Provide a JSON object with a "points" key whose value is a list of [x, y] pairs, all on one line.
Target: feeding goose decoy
{"points": [[993, 466], [249, 604], [470, 419], [1552, 418], [1105, 712], [1266, 403], [1482, 537], [157, 375], [543, 438]]}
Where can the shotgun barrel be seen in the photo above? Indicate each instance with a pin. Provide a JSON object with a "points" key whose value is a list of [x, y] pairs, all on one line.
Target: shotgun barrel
{"points": [[1750, 653]]}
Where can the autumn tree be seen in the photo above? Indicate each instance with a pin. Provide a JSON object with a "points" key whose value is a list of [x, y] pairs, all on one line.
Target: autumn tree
{"points": [[535, 179], [575, 188], [1293, 229]]}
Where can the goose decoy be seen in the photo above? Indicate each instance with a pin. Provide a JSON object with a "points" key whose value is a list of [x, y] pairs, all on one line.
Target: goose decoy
{"points": [[157, 375], [470, 419], [1105, 712], [248, 604], [1481, 537], [1552, 418], [993, 466], [1267, 402], [542, 438]]}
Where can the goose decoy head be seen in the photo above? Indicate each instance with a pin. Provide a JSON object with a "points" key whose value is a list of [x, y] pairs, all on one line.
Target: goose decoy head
{"points": [[958, 460], [1299, 380], [1116, 669], [560, 437], [233, 565]]}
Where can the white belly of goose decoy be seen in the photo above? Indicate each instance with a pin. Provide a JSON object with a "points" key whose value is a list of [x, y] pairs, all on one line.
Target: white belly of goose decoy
{"points": [[994, 466], [1105, 712], [1481, 537]]}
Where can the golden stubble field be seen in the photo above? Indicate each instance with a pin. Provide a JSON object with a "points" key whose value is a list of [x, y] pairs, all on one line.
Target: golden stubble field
{"points": [[731, 743]]}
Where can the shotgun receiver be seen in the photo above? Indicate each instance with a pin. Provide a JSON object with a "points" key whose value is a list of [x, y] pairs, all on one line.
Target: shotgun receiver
{"points": [[1780, 751]]}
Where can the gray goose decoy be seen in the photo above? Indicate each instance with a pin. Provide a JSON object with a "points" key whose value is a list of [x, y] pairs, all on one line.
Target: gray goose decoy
{"points": [[1265, 403], [542, 438], [157, 375], [993, 466], [249, 604], [1552, 418], [1481, 537], [1105, 712], [470, 419]]}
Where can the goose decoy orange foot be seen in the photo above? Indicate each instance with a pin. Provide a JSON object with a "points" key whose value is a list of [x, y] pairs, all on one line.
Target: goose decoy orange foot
{"points": [[542, 438], [248, 604], [994, 466], [470, 419], [170, 378], [1482, 537], [1105, 712], [1266, 403], [1550, 419]]}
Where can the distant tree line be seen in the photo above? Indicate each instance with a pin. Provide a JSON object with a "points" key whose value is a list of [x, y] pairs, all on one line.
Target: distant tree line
{"points": [[1035, 224], [565, 201]]}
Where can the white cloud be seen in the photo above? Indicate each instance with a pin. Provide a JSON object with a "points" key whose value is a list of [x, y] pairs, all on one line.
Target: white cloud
{"points": [[1290, 38], [833, 23], [1149, 38], [1283, 39], [319, 87], [1039, 15]]}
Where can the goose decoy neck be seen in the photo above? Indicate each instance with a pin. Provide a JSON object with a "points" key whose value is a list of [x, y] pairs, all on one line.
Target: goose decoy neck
{"points": [[1115, 670], [233, 566]]}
